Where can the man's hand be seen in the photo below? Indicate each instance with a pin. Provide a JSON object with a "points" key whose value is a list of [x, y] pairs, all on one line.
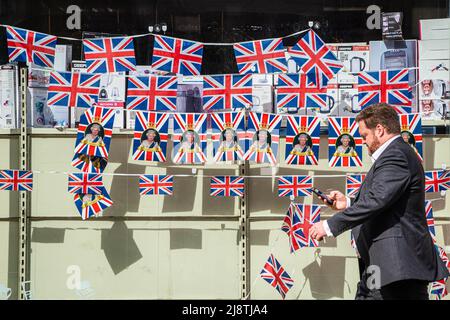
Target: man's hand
{"points": [[317, 231], [339, 200]]}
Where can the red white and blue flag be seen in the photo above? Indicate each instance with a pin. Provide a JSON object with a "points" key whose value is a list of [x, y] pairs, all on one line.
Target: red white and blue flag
{"points": [[437, 180], [92, 205], [152, 93], [31, 47], [430, 220], [73, 89], [85, 183], [95, 115], [296, 91], [179, 56], [261, 56], [385, 86], [276, 276], [262, 137], [189, 126], [108, 55], [156, 185], [297, 224], [223, 124], [315, 59], [227, 92], [439, 287], [354, 183], [298, 126], [16, 180], [227, 186], [412, 124], [155, 150], [297, 186], [350, 156]]}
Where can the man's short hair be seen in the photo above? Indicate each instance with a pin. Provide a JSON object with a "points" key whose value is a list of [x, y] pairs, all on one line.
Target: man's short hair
{"points": [[380, 113]]}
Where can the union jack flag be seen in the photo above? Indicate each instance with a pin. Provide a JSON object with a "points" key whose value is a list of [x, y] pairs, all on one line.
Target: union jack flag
{"points": [[31, 47], [73, 89], [388, 86], [156, 185], [146, 123], [443, 256], [108, 55], [261, 56], [297, 186], [305, 127], [178, 56], [189, 126], [354, 183], [227, 91], [276, 276], [412, 124], [89, 205], [297, 223], [224, 124], [338, 153], [297, 91], [402, 109], [99, 146], [262, 137], [430, 220], [315, 59], [86, 183], [437, 181], [152, 93], [227, 186], [15, 180], [439, 289]]}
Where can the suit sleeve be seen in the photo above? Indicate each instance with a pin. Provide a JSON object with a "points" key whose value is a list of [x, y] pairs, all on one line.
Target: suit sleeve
{"points": [[390, 179]]}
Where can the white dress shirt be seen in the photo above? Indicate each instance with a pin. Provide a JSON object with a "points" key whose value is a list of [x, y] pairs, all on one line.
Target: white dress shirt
{"points": [[373, 157]]}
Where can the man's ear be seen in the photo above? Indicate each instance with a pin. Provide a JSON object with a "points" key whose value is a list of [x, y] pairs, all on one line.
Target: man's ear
{"points": [[380, 130]]}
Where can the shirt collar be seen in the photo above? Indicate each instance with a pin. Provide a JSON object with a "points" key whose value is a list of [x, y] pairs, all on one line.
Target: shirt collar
{"points": [[383, 147]]}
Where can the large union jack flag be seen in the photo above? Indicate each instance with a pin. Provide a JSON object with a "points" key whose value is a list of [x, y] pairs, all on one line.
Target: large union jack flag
{"points": [[297, 186], [341, 153], [156, 185], [302, 140], [297, 223], [73, 89], [85, 183], [261, 56], [411, 126], [90, 205], [430, 220], [276, 276], [152, 93], [189, 138], [15, 180], [31, 47], [151, 134], [262, 137], [228, 136], [315, 59], [297, 91], [437, 181], [388, 86], [226, 92], [354, 182], [89, 144], [178, 56], [108, 55], [227, 186]]}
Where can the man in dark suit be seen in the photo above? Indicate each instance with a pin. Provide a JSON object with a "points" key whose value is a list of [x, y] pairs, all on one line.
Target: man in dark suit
{"points": [[387, 216]]}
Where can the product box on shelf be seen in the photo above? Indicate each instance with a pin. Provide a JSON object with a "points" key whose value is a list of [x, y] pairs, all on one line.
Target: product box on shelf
{"points": [[434, 108], [63, 57], [434, 69], [42, 116], [9, 97], [434, 49]]}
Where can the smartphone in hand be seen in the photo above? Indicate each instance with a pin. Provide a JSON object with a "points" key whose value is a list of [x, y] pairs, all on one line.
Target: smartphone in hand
{"points": [[322, 195]]}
